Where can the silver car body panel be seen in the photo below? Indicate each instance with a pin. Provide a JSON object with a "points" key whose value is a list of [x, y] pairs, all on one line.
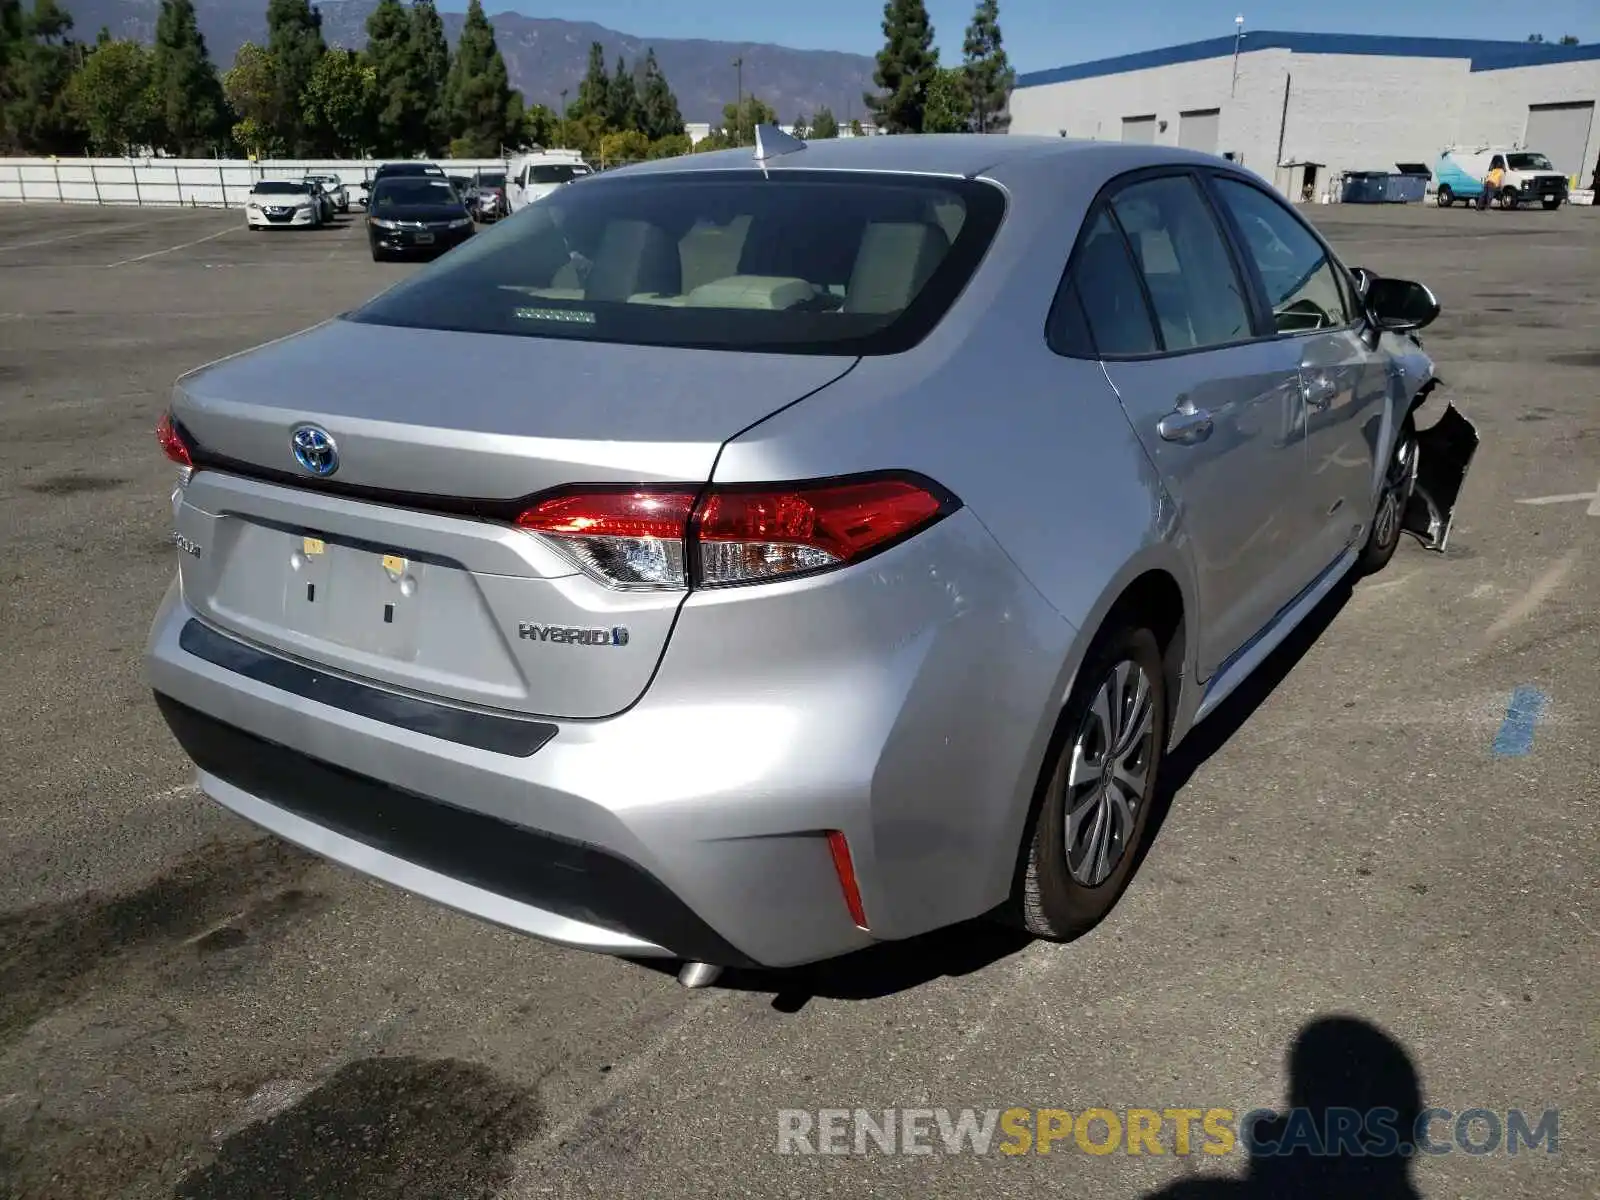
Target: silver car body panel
{"points": [[907, 701]]}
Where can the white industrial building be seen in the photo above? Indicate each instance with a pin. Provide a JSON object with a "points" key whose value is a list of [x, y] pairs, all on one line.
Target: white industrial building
{"points": [[1339, 102]]}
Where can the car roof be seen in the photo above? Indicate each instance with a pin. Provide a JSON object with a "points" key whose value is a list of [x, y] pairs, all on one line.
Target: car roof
{"points": [[965, 155]]}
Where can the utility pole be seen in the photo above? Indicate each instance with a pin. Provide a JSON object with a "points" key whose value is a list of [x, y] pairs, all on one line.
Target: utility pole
{"points": [[563, 133], [738, 111], [1238, 35]]}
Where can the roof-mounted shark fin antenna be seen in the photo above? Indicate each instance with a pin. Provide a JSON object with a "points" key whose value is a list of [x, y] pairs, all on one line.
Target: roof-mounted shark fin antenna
{"points": [[772, 141]]}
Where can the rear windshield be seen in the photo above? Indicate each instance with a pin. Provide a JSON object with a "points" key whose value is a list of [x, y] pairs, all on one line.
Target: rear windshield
{"points": [[492, 181], [801, 262], [273, 187], [1529, 162], [555, 172], [399, 191]]}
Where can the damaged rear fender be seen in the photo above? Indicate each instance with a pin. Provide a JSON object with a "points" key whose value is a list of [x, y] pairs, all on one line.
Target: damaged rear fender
{"points": [[1444, 452]]}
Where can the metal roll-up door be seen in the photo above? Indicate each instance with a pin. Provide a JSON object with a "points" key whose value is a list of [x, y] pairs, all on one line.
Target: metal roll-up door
{"points": [[1561, 133], [1139, 129], [1199, 130]]}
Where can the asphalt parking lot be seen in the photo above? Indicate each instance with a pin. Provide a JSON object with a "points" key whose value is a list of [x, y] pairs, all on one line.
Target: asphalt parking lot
{"points": [[191, 1009]]}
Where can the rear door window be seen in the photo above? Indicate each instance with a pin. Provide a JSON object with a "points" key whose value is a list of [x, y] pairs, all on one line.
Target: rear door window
{"points": [[1197, 295], [794, 262]]}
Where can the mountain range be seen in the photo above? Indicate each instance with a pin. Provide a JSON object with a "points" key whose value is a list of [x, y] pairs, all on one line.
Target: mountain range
{"points": [[544, 55]]}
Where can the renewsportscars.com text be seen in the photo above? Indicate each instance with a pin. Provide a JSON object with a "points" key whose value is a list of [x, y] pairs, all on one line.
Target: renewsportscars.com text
{"points": [[1262, 1133]]}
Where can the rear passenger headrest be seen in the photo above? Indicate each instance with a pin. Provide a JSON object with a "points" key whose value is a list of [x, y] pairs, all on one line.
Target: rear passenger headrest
{"points": [[634, 257], [894, 261]]}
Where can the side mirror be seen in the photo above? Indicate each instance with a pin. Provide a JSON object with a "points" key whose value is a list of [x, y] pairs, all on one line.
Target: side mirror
{"points": [[1399, 305]]}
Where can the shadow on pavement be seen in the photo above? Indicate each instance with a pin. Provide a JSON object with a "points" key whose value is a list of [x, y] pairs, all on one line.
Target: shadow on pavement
{"points": [[1338, 1067]]}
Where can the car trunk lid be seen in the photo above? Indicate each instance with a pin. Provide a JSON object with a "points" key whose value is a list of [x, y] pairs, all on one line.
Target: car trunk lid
{"points": [[403, 565]]}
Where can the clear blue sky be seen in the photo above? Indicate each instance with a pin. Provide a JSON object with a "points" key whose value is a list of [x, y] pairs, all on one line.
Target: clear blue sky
{"points": [[1050, 33]]}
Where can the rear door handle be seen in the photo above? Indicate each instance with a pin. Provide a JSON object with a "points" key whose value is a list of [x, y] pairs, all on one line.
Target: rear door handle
{"points": [[1185, 426]]}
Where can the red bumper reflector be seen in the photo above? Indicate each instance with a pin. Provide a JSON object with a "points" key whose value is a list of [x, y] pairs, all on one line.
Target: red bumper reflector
{"points": [[840, 849]]}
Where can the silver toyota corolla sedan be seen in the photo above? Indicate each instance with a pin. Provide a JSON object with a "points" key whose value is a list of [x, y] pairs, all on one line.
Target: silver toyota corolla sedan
{"points": [[746, 558]]}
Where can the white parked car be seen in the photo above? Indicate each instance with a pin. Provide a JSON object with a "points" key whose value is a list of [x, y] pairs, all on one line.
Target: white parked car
{"points": [[283, 203], [336, 190]]}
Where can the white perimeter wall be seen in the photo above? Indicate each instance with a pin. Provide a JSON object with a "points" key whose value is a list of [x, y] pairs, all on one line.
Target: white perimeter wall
{"points": [[162, 182], [1349, 112]]}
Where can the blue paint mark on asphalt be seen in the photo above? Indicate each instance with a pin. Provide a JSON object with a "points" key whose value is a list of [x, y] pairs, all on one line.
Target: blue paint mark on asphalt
{"points": [[1515, 738]]}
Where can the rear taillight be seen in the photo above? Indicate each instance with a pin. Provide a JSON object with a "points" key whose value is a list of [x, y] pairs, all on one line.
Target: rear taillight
{"points": [[663, 538], [627, 539], [172, 441]]}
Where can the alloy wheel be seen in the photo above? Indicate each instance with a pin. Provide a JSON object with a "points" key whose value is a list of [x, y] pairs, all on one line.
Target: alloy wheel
{"points": [[1109, 776], [1397, 490]]}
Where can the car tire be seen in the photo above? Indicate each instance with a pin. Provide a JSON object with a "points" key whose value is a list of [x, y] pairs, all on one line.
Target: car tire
{"points": [[1445, 197], [1509, 199], [379, 255], [1551, 204], [1068, 886], [1399, 480]]}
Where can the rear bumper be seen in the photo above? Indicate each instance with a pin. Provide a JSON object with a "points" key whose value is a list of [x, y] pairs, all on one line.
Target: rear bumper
{"points": [[559, 889], [906, 704]]}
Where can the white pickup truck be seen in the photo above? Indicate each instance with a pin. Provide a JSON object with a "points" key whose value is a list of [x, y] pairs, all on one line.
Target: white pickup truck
{"points": [[540, 173]]}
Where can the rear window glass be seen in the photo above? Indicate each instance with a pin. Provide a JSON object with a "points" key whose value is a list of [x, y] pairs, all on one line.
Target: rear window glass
{"points": [[492, 181], [798, 262], [392, 193], [273, 187], [555, 172]]}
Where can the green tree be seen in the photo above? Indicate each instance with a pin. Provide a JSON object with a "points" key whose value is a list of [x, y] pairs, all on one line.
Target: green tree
{"points": [[250, 88], [855, 128], [340, 103], [907, 66], [1567, 39], [478, 94], [622, 99], [39, 116], [623, 146], [659, 115], [583, 133], [431, 63], [800, 128], [111, 96], [535, 125], [670, 146], [948, 108], [742, 124], [988, 74], [190, 110], [400, 115], [824, 124], [594, 90], [11, 21], [294, 41], [717, 139]]}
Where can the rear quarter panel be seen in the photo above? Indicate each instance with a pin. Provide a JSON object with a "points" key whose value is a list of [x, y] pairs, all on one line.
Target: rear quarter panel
{"points": [[1039, 451]]}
